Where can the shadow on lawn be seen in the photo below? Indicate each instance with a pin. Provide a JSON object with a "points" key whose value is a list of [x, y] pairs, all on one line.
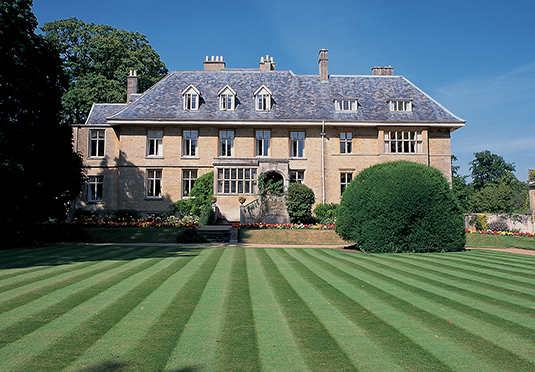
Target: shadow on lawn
{"points": [[57, 255], [112, 366]]}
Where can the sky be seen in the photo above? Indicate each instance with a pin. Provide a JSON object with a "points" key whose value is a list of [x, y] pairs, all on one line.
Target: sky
{"points": [[475, 57]]}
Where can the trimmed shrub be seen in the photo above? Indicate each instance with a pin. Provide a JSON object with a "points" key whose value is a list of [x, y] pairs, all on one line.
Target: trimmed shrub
{"points": [[326, 213], [208, 216], [401, 207], [200, 195], [299, 202]]}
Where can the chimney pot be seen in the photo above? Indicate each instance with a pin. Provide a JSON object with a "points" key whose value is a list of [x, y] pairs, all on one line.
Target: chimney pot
{"points": [[131, 84], [214, 63], [266, 63], [324, 64], [383, 71]]}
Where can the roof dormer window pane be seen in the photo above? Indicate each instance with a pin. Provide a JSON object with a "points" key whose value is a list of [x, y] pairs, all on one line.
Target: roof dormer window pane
{"points": [[263, 98], [400, 105], [226, 102], [345, 105], [192, 98]]}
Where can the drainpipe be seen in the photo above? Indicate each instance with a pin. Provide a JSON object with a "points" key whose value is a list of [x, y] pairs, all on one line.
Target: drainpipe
{"points": [[323, 160]]}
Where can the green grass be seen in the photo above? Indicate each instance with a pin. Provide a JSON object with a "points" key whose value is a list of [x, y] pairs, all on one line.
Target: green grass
{"points": [[502, 241], [163, 308]]}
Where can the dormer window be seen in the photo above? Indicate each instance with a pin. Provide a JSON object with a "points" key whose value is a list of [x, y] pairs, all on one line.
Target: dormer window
{"points": [[400, 105], [192, 97], [345, 104], [262, 98], [227, 98]]}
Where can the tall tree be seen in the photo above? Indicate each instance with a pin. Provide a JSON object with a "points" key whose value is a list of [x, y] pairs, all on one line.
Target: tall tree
{"points": [[39, 170], [96, 60], [488, 168]]}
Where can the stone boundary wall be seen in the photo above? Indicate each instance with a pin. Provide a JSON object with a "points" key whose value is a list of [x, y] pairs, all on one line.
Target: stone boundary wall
{"points": [[514, 221]]}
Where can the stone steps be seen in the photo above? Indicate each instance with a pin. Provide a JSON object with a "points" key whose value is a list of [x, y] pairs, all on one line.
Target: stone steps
{"points": [[219, 233]]}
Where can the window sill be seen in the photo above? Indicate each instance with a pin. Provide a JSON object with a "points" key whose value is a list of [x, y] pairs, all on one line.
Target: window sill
{"points": [[185, 157], [154, 157], [154, 198], [296, 158]]}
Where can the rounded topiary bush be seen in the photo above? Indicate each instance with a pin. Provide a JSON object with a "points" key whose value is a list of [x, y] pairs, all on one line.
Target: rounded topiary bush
{"points": [[299, 202], [401, 207]]}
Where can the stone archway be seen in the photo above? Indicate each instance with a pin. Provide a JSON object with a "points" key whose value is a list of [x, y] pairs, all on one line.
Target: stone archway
{"points": [[274, 177]]}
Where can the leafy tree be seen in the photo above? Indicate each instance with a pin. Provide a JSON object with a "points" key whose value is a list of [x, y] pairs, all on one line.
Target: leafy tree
{"points": [[38, 168], [488, 168], [299, 202], [96, 60], [462, 190], [200, 195], [531, 176], [401, 207]]}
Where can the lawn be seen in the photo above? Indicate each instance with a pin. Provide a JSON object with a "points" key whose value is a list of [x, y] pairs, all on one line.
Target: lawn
{"points": [[162, 308]]}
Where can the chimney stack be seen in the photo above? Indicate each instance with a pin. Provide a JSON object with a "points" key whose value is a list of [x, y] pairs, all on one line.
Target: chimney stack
{"points": [[383, 71], [323, 63], [267, 64], [214, 64], [131, 85]]}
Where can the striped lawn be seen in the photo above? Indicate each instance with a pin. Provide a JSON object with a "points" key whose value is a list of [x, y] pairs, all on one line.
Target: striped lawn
{"points": [[163, 308]]}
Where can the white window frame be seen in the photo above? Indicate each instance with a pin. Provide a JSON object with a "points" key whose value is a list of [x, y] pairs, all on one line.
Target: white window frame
{"points": [[191, 98], [403, 142], [190, 140], [189, 176], [297, 176], [345, 180], [227, 98], [262, 143], [226, 143], [154, 183], [97, 143], [349, 105], [95, 189], [262, 98], [346, 142], [237, 181], [297, 144], [401, 105], [155, 143]]}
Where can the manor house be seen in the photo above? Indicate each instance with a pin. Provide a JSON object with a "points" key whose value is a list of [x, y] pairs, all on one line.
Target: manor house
{"points": [[320, 130]]}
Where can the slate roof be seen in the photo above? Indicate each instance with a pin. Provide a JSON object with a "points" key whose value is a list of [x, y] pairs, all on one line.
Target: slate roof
{"points": [[100, 111], [295, 98]]}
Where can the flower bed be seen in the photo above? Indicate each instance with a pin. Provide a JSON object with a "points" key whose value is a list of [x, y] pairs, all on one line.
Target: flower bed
{"points": [[506, 233], [283, 226], [175, 225]]}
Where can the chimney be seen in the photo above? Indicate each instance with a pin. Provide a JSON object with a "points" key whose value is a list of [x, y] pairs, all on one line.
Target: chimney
{"points": [[131, 85], [323, 62], [214, 64], [383, 71], [267, 64]]}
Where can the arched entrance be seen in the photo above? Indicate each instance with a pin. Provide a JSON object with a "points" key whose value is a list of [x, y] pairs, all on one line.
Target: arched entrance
{"points": [[273, 183]]}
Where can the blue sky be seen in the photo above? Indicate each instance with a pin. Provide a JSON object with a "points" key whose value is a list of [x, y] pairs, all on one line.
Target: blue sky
{"points": [[475, 57]]}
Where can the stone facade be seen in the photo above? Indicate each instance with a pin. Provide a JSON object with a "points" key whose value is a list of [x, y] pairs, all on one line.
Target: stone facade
{"points": [[126, 171]]}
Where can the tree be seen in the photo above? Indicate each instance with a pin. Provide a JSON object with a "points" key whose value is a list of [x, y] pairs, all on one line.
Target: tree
{"points": [[401, 207], [488, 168], [96, 60], [462, 190], [39, 170]]}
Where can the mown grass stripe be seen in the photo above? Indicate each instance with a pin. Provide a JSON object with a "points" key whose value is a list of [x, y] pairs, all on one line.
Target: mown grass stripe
{"points": [[502, 357], [398, 344], [509, 295], [460, 263], [373, 310], [112, 310], [523, 314], [124, 336], [318, 346], [494, 275], [20, 258], [153, 350], [46, 272], [357, 344], [278, 348], [524, 262], [239, 348], [23, 326], [501, 331], [199, 343], [18, 297]]}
